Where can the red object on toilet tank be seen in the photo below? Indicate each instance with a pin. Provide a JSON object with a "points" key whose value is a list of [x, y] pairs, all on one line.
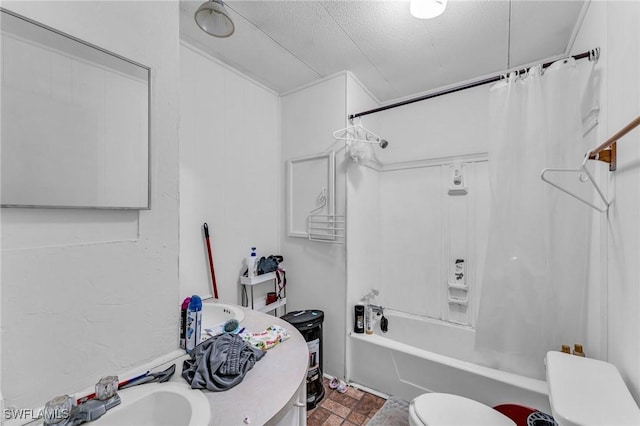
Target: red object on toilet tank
{"points": [[517, 413]]}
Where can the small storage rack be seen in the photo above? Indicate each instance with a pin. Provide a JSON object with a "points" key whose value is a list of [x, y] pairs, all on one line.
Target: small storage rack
{"points": [[251, 282]]}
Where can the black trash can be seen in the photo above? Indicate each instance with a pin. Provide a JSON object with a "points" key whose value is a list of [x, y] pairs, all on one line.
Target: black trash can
{"points": [[309, 324]]}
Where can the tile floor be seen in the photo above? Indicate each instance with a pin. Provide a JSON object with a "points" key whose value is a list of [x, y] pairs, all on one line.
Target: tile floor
{"points": [[353, 407]]}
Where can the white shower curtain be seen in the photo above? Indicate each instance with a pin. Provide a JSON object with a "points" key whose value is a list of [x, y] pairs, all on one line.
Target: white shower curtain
{"points": [[534, 284]]}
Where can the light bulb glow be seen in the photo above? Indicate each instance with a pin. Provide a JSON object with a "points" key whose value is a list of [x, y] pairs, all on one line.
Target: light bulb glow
{"points": [[426, 9]]}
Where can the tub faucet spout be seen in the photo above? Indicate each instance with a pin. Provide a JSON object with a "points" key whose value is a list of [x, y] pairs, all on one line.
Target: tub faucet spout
{"points": [[377, 309]]}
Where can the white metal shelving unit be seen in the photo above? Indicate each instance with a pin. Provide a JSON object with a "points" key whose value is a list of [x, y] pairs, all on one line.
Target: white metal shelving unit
{"points": [[261, 279]]}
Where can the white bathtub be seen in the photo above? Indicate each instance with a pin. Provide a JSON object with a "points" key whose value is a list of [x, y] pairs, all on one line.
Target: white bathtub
{"points": [[419, 355]]}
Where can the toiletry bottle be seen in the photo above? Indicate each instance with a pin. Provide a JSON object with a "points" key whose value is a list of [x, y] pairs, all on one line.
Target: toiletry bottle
{"points": [[458, 273], [183, 322], [368, 320], [194, 323], [252, 263], [358, 318], [577, 350]]}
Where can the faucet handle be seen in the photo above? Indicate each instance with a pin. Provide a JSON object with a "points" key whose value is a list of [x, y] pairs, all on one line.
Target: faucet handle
{"points": [[106, 388], [58, 409]]}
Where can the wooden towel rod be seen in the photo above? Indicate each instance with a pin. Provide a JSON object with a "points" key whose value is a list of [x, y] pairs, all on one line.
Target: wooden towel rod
{"points": [[607, 150]]}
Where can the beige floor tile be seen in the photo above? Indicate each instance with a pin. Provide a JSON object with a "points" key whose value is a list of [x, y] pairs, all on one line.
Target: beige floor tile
{"points": [[333, 420], [336, 408]]}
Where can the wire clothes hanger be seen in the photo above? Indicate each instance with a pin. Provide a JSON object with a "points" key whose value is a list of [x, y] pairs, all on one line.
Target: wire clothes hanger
{"points": [[606, 152], [357, 133], [584, 176]]}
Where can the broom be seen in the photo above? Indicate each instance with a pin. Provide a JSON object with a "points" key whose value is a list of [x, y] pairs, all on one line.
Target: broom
{"points": [[213, 274]]}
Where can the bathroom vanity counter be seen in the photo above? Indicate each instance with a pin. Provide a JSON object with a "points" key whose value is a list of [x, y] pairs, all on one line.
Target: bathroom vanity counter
{"points": [[271, 388], [273, 392]]}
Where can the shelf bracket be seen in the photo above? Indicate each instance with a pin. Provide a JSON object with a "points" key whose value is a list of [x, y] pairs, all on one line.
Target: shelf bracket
{"points": [[607, 150], [607, 155]]}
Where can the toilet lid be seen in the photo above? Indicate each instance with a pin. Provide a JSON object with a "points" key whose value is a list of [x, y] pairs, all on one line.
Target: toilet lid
{"points": [[445, 409]]}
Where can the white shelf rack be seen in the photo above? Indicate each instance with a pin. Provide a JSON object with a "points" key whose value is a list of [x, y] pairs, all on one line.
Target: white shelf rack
{"points": [[273, 306], [258, 279], [261, 279]]}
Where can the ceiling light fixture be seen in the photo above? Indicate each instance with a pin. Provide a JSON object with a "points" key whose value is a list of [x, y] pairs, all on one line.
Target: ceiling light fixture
{"points": [[213, 19], [426, 9]]}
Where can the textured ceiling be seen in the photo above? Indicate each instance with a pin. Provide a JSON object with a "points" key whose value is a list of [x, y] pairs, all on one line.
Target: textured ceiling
{"points": [[287, 44]]}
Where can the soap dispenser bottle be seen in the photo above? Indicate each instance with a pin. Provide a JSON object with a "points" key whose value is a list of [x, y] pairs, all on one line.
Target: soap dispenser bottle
{"points": [[252, 263]]}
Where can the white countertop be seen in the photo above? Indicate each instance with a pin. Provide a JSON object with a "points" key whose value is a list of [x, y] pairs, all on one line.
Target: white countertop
{"points": [[266, 393], [270, 388]]}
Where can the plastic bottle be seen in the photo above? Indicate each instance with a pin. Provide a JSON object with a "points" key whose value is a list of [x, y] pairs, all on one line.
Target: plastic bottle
{"points": [[577, 350], [194, 323], [252, 263], [358, 318], [183, 322], [368, 320]]}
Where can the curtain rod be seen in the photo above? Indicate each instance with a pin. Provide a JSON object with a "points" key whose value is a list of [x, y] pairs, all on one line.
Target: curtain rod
{"points": [[593, 55]]}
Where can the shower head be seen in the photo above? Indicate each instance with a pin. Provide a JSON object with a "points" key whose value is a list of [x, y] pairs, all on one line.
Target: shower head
{"points": [[383, 143]]}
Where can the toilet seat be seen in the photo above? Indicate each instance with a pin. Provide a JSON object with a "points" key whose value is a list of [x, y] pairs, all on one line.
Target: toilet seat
{"points": [[442, 409]]}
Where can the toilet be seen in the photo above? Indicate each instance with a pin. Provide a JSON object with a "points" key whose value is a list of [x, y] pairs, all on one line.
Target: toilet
{"points": [[443, 409], [585, 391], [582, 391]]}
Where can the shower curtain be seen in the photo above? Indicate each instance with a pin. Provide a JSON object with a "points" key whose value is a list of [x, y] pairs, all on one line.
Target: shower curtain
{"points": [[534, 283]]}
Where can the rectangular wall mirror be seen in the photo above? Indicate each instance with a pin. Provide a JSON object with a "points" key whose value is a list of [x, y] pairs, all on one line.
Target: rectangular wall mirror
{"points": [[75, 121]]}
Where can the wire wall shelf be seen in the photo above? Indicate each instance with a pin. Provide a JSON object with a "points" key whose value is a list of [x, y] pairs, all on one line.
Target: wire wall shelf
{"points": [[326, 228]]}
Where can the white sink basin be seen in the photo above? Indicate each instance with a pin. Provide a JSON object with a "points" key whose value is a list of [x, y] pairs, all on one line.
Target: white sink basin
{"points": [[159, 404], [214, 313]]}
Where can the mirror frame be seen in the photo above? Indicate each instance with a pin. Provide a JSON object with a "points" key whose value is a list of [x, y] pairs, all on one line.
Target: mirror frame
{"points": [[149, 88]]}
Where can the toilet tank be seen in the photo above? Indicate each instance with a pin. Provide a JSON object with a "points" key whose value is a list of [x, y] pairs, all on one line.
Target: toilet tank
{"points": [[584, 391]]}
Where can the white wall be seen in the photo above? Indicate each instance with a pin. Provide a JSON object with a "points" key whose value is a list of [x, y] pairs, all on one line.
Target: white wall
{"points": [[403, 225], [363, 208], [362, 217], [74, 307], [414, 229], [445, 126], [615, 28], [316, 270], [229, 173], [424, 229]]}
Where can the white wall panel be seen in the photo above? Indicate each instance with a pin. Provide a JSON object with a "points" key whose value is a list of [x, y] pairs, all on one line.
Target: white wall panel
{"points": [[229, 161], [316, 271], [80, 288], [614, 295], [411, 226]]}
